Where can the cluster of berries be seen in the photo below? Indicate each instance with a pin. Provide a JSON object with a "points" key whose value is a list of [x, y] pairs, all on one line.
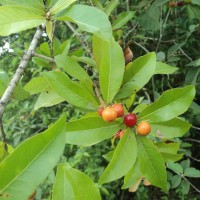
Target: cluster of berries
{"points": [[178, 3], [109, 114]]}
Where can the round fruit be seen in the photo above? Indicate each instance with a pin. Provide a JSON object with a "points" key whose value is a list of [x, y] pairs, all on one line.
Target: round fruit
{"points": [[143, 128], [179, 3], [119, 133], [130, 119], [109, 114], [119, 108], [171, 4], [100, 110]]}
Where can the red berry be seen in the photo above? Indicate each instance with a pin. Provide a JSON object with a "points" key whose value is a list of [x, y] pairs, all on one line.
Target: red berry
{"points": [[119, 133], [100, 110], [109, 114], [119, 108], [179, 3], [130, 119]]}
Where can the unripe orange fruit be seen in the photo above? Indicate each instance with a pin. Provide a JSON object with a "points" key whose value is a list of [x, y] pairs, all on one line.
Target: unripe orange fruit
{"points": [[143, 128], [119, 108], [109, 114], [119, 134]]}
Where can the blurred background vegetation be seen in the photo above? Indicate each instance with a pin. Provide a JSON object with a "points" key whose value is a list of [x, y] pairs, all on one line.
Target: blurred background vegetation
{"points": [[172, 32]]}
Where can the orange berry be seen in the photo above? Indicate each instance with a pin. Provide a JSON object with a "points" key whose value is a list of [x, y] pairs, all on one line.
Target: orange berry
{"points": [[143, 128], [100, 110], [119, 108], [109, 114]]}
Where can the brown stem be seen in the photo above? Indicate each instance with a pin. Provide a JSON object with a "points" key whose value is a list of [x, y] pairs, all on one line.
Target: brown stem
{"points": [[98, 94]]}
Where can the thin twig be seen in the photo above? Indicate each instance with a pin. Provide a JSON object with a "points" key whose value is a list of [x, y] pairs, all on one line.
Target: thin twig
{"points": [[191, 184], [18, 74], [192, 140], [188, 57], [195, 127], [3, 135], [98, 94], [80, 38], [197, 160], [146, 94], [162, 28], [142, 47], [43, 57]]}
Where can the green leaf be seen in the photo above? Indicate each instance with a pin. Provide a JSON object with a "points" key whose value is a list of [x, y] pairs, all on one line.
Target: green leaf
{"points": [[177, 168], [185, 164], [192, 172], [185, 186], [3, 152], [169, 105], [173, 49], [163, 68], [137, 75], [17, 18], [151, 163], [90, 130], [85, 60], [176, 180], [171, 157], [4, 81], [62, 188], [49, 29], [89, 19], [170, 129], [123, 159], [172, 147], [193, 11], [72, 67], [71, 91], [31, 162], [48, 98], [122, 19], [109, 155], [36, 85], [73, 184], [111, 5], [149, 20], [60, 5], [111, 70], [132, 176], [36, 4], [192, 76], [19, 93]]}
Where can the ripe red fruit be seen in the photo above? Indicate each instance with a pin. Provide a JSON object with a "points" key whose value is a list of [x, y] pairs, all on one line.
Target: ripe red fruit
{"points": [[130, 119], [100, 110], [109, 114], [180, 3], [171, 4], [119, 108], [143, 128], [119, 133]]}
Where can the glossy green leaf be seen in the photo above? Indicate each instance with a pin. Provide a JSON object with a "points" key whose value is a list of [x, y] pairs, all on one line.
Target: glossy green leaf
{"points": [[70, 90], [122, 19], [3, 152], [60, 5], [132, 176], [111, 70], [31, 162], [170, 129], [73, 184], [177, 168], [193, 11], [4, 81], [72, 67], [109, 155], [90, 130], [17, 18], [36, 85], [163, 68], [137, 75], [36, 4], [62, 188], [151, 163], [85, 60], [89, 19], [49, 29], [123, 159], [48, 98], [19, 93], [170, 104], [192, 172], [169, 151]]}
